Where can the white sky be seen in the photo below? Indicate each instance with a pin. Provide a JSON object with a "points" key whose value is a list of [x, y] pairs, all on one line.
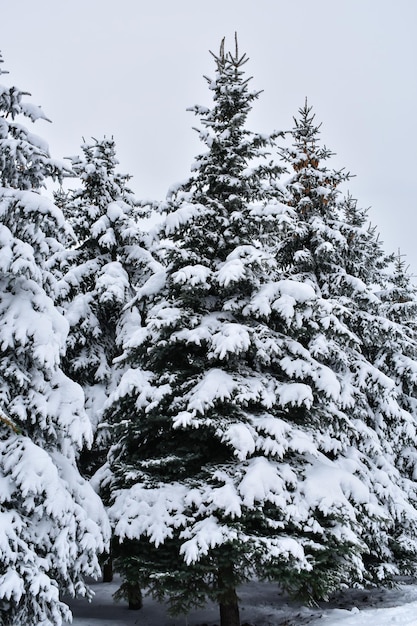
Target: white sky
{"points": [[130, 68]]}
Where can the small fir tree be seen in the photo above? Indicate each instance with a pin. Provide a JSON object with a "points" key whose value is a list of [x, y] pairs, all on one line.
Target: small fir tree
{"points": [[104, 267], [363, 255], [53, 525], [108, 262], [397, 357]]}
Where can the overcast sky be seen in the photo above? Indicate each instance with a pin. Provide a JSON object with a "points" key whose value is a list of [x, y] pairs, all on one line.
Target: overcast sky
{"points": [[130, 68]]}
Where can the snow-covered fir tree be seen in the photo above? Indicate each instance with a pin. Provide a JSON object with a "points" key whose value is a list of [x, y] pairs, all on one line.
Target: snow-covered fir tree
{"points": [[396, 357], [400, 294], [236, 451], [312, 190], [363, 254], [52, 524], [104, 267], [331, 247], [24, 157], [207, 221]]}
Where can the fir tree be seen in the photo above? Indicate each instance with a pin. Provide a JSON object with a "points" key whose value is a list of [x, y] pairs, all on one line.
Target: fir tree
{"points": [[211, 242], [330, 247], [399, 297], [397, 358], [24, 157], [312, 190], [53, 525], [236, 454], [104, 267], [363, 255]]}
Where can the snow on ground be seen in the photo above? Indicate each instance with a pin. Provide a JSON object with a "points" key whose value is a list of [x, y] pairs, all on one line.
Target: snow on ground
{"points": [[260, 605]]}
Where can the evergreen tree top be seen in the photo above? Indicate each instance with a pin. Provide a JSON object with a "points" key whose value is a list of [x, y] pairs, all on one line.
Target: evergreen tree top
{"points": [[236, 158], [24, 157], [399, 296], [97, 172], [101, 186], [313, 185]]}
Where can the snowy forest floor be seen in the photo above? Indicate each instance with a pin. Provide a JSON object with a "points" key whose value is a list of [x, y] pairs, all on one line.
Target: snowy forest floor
{"points": [[261, 604]]}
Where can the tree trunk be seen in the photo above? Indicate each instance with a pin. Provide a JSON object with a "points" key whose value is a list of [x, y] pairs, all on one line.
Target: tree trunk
{"points": [[134, 596], [108, 570], [228, 602]]}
